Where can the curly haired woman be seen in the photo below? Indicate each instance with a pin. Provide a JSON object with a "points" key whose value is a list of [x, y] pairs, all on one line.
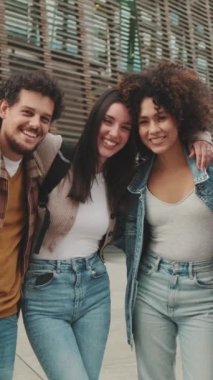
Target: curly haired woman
{"points": [[169, 225]]}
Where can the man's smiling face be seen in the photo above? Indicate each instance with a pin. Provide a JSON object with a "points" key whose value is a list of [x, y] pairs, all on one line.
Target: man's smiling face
{"points": [[25, 123]]}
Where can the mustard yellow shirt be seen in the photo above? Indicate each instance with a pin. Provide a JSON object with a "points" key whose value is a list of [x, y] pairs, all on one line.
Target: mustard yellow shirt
{"points": [[10, 237]]}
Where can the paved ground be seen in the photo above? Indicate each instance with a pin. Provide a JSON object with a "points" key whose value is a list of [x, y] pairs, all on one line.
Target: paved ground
{"points": [[119, 361]]}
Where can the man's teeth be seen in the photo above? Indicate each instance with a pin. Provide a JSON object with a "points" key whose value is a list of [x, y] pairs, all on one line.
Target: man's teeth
{"points": [[30, 133]]}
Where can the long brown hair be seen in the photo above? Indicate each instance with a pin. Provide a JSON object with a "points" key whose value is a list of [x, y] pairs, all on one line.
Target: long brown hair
{"points": [[118, 169]]}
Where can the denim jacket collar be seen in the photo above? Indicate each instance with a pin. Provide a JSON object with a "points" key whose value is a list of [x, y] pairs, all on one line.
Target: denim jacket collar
{"points": [[138, 184]]}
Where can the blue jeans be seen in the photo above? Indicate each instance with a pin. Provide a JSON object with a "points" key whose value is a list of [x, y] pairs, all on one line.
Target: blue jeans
{"points": [[8, 338], [174, 298], [66, 311]]}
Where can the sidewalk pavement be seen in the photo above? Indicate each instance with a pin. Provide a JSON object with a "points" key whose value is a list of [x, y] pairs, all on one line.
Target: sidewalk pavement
{"points": [[119, 360]]}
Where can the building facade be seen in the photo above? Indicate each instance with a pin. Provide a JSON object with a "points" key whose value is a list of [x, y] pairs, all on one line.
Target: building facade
{"points": [[87, 44]]}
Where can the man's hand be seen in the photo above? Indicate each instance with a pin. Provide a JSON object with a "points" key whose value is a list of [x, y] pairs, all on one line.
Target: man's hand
{"points": [[203, 153]]}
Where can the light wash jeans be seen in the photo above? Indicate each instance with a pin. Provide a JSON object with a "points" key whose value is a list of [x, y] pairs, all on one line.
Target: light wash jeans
{"points": [[174, 298], [66, 311], [8, 338]]}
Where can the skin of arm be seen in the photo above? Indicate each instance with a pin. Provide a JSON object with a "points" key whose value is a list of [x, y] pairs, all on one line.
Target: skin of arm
{"points": [[202, 149]]}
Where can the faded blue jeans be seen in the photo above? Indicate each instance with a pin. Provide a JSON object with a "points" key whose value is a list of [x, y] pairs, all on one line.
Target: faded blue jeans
{"points": [[66, 311], [8, 338], [174, 298]]}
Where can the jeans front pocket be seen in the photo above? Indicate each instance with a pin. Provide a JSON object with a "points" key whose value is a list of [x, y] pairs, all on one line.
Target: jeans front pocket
{"points": [[146, 267], [204, 279], [98, 268], [39, 278]]}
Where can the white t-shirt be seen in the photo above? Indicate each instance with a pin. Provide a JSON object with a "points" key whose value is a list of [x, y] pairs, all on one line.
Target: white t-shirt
{"points": [[180, 231], [91, 224], [11, 166]]}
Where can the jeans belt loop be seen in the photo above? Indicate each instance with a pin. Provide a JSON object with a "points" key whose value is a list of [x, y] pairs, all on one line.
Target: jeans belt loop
{"points": [[157, 264], [87, 264], [191, 270], [58, 266]]}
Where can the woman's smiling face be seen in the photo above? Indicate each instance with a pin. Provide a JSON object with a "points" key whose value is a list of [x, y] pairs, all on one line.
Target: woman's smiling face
{"points": [[157, 128], [114, 131]]}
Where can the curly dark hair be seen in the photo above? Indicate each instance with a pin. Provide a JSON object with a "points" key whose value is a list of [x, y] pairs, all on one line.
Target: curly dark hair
{"points": [[38, 81], [176, 88]]}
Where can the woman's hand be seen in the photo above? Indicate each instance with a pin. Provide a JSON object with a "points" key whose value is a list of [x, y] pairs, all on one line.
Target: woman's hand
{"points": [[203, 153]]}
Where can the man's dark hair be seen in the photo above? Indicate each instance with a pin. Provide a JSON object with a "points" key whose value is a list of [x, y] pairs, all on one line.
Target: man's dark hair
{"points": [[38, 81]]}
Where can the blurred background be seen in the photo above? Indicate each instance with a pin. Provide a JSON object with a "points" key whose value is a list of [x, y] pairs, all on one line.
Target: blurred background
{"points": [[88, 44]]}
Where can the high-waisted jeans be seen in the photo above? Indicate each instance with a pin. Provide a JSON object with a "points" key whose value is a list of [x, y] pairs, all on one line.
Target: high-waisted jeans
{"points": [[66, 311], [174, 298]]}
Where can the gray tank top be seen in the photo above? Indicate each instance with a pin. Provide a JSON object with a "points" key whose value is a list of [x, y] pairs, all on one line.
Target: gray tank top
{"points": [[180, 231]]}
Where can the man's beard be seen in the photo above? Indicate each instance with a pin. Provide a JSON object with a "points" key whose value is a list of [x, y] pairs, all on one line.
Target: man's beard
{"points": [[18, 148]]}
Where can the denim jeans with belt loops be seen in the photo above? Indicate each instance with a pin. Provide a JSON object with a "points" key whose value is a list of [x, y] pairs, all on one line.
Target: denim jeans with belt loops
{"points": [[66, 311], [174, 298]]}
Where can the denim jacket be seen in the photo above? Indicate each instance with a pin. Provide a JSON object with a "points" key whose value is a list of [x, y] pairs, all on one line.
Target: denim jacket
{"points": [[133, 230]]}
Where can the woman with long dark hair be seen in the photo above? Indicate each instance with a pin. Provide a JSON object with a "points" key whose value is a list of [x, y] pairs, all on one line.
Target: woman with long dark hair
{"points": [[66, 296]]}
